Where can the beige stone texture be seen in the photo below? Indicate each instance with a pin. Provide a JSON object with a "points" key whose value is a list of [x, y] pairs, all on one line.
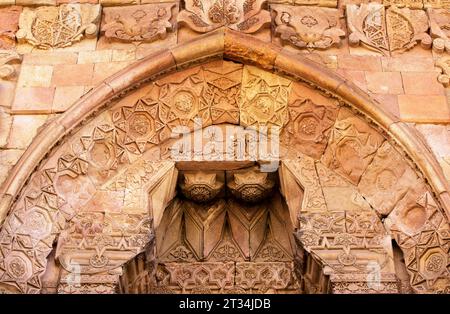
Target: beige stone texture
{"points": [[21, 136]]}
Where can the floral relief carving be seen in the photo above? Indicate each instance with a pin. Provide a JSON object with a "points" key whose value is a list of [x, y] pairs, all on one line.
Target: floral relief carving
{"points": [[55, 27], [388, 31], [309, 28], [243, 15], [144, 23]]}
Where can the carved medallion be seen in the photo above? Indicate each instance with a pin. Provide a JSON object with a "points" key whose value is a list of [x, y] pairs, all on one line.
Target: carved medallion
{"points": [[243, 15], [144, 23], [310, 28], [201, 186], [264, 99], [61, 26], [251, 186], [391, 30]]}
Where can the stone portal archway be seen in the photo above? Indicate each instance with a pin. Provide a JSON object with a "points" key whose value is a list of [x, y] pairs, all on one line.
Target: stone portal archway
{"points": [[94, 184]]}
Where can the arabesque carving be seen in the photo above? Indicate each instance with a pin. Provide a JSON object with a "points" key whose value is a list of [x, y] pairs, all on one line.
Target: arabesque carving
{"points": [[144, 23], [242, 15], [388, 31], [309, 28], [61, 26]]}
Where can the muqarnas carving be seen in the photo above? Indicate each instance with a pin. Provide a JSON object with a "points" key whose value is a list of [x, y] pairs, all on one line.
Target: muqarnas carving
{"points": [[57, 27], [440, 29], [145, 23], [310, 28], [243, 15], [9, 24], [387, 31], [201, 186]]}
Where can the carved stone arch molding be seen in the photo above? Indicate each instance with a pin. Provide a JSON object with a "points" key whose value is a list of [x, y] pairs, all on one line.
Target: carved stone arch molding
{"points": [[95, 181]]}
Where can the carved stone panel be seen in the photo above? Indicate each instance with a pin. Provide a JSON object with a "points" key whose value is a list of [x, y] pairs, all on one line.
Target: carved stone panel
{"points": [[312, 3], [305, 27], [9, 24], [264, 98], [144, 23], [60, 26], [222, 91], [243, 15], [311, 117], [388, 179], [391, 30], [352, 145], [425, 241], [440, 29]]}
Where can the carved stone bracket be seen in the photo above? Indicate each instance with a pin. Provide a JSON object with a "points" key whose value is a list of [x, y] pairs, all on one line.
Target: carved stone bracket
{"points": [[144, 23], [54, 27], [243, 15], [305, 27], [391, 30]]}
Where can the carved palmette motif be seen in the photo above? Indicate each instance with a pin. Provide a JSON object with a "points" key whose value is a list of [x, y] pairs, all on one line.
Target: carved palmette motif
{"points": [[390, 30], [61, 26], [310, 28], [145, 23], [243, 15]]}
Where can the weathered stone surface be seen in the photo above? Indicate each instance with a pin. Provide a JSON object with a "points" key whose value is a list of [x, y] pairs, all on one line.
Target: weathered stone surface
{"points": [[413, 108], [144, 23], [7, 58], [306, 27], [387, 180], [21, 137], [444, 64], [311, 117], [9, 24], [352, 146]]}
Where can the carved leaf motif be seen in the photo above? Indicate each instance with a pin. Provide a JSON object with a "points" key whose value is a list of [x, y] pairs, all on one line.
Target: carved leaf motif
{"points": [[311, 28], [244, 15], [147, 23]]}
